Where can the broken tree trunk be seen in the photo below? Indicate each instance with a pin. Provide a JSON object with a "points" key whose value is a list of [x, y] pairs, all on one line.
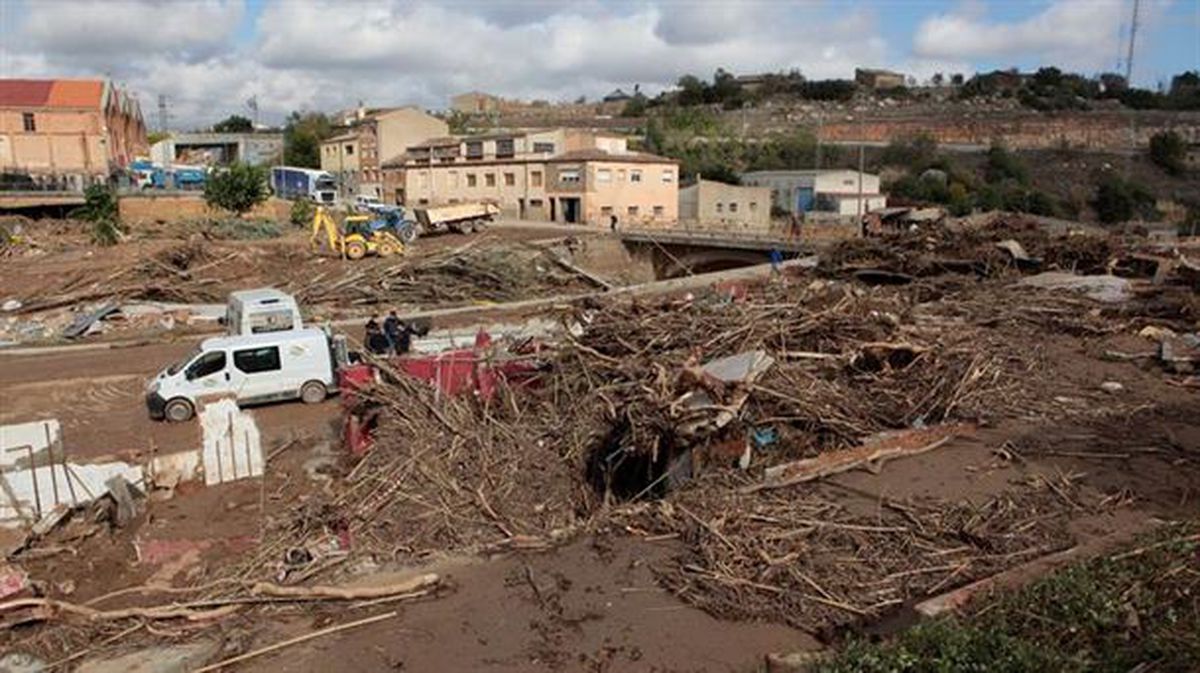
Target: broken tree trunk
{"points": [[875, 450]]}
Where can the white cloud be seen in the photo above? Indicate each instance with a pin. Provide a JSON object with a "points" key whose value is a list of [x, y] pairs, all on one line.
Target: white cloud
{"points": [[111, 32], [1067, 33]]}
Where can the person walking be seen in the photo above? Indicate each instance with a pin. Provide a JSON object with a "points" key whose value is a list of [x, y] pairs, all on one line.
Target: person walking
{"points": [[392, 329]]}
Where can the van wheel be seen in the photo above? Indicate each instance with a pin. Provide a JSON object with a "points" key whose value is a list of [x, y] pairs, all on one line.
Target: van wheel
{"points": [[312, 392], [178, 410]]}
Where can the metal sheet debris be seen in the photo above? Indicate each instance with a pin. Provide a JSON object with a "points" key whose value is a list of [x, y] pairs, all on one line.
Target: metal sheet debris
{"points": [[232, 446]]}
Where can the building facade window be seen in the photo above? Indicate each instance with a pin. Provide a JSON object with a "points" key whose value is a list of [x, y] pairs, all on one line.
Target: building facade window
{"points": [[606, 211], [635, 175], [453, 179], [568, 175], [29, 122], [733, 206], [754, 206], [535, 203], [471, 180], [349, 150], [603, 175], [632, 211], [620, 175], [720, 207], [543, 148], [535, 178], [659, 211], [668, 175], [489, 179], [475, 150], [510, 179], [504, 148]]}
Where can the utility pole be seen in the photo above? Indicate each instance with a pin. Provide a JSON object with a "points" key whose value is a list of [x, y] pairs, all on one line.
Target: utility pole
{"points": [[162, 113], [1133, 26], [252, 103]]}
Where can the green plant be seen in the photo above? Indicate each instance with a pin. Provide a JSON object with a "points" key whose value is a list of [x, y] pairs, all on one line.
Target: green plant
{"points": [[915, 152], [100, 208], [1120, 200], [302, 212], [1168, 151], [237, 189], [1004, 165], [234, 124], [1112, 614]]}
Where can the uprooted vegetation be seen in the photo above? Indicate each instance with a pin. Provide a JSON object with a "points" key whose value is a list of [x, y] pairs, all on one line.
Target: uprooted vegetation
{"points": [[201, 270]]}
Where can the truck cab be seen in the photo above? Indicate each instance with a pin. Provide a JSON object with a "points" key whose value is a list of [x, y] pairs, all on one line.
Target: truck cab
{"points": [[265, 367], [261, 311]]}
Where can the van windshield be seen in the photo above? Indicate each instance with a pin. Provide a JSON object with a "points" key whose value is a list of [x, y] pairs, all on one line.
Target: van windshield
{"points": [[178, 366]]}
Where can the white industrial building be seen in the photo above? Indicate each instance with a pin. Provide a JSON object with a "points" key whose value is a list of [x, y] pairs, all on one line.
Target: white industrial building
{"points": [[833, 191], [218, 149]]}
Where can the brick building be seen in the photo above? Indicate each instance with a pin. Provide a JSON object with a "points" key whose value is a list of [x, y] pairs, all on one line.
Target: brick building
{"points": [[79, 131]]}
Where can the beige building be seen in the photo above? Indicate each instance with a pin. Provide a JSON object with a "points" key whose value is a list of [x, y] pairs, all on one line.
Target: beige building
{"points": [[878, 79], [77, 131], [728, 206], [475, 102], [356, 157], [563, 175]]}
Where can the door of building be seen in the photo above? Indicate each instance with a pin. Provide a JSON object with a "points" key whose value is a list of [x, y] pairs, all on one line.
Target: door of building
{"points": [[571, 210], [804, 199]]}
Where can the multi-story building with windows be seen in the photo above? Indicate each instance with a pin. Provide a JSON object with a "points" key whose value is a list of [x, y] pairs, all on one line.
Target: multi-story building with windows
{"points": [[560, 175]]}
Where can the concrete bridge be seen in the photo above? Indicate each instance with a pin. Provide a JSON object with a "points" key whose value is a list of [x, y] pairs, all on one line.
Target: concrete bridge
{"points": [[21, 200], [679, 252]]}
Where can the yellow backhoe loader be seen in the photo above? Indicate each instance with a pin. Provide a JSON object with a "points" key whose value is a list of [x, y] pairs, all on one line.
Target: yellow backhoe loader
{"points": [[359, 238]]}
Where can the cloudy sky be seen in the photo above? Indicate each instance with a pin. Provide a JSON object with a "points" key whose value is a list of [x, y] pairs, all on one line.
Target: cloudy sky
{"points": [[209, 56]]}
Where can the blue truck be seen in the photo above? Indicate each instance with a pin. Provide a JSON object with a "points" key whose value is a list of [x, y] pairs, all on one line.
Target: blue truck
{"points": [[151, 176], [293, 183]]}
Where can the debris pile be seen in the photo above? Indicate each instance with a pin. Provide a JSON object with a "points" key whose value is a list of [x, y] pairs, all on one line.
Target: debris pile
{"points": [[468, 274], [808, 561]]}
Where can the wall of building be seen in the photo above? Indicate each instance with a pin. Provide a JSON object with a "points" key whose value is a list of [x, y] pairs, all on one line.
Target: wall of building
{"points": [[518, 187], [652, 200], [64, 141], [830, 189], [709, 202], [400, 129]]}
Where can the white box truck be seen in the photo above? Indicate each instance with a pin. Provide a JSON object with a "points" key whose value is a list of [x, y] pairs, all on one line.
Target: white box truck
{"points": [[260, 311], [283, 365]]}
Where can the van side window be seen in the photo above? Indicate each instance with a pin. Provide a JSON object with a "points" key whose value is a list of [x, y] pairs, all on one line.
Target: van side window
{"points": [[255, 360], [208, 364]]}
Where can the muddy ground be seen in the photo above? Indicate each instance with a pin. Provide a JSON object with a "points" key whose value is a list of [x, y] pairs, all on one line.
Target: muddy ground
{"points": [[1101, 464]]}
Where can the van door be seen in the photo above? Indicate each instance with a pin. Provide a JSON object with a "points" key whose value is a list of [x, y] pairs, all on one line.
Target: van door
{"points": [[259, 367], [207, 374]]}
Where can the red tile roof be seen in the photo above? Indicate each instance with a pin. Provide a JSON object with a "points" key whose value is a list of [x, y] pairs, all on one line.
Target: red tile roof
{"points": [[52, 93], [24, 92], [76, 93]]}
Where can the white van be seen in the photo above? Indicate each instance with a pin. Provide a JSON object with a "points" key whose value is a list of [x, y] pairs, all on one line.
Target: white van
{"points": [[258, 368], [259, 311]]}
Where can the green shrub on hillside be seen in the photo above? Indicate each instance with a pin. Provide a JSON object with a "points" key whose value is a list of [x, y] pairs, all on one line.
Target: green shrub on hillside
{"points": [[1120, 200], [1168, 151]]}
